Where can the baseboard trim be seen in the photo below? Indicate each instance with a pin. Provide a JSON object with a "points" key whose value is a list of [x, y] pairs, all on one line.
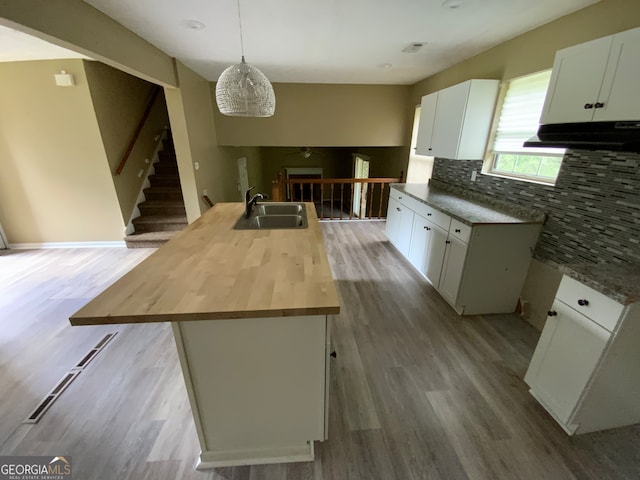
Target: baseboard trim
{"points": [[32, 246], [234, 458]]}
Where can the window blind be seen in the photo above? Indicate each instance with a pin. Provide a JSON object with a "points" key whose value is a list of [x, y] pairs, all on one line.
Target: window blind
{"points": [[520, 115]]}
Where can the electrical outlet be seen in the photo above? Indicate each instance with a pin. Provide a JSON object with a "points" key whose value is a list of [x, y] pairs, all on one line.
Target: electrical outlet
{"points": [[474, 175]]}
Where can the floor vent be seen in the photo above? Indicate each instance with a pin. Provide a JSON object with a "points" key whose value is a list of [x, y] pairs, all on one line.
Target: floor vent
{"points": [[60, 387]]}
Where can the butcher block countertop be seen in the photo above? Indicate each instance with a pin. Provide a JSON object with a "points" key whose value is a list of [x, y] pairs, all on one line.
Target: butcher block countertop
{"points": [[211, 271]]}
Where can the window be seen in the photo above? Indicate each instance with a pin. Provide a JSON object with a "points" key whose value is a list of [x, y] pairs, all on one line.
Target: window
{"points": [[518, 122], [420, 166]]}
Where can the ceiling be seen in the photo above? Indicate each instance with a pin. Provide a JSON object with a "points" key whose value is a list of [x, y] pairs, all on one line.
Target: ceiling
{"points": [[330, 41]]}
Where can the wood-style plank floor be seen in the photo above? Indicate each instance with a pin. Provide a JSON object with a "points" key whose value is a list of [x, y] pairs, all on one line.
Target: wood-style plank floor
{"points": [[416, 391]]}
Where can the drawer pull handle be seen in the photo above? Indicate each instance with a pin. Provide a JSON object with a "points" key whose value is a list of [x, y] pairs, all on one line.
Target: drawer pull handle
{"points": [[447, 241], [599, 105], [583, 302], [397, 208], [426, 228], [399, 198], [588, 106], [552, 313], [457, 230], [428, 214]]}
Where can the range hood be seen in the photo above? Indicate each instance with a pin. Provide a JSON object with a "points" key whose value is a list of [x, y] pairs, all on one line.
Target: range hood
{"points": [[621, 136]]}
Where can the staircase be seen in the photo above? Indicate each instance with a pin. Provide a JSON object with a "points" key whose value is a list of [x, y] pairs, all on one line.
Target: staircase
{"points": [[162, 214]]}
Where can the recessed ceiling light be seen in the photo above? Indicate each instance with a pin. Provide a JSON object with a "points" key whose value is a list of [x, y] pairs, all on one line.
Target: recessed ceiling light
{"points": [[193, 24], [453, 4]]}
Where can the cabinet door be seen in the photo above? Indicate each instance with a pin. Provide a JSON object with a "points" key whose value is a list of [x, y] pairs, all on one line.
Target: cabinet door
{"points": [[452, 268], [564, 360], [619, 97], [405, 227], [575, 82], [428, 108], [447, 129], [434, 257], [420, 239], [393, 220]]}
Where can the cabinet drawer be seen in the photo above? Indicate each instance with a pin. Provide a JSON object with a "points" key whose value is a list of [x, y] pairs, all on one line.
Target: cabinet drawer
{"points": [[592, 304], [460, 230], [434, 216]]}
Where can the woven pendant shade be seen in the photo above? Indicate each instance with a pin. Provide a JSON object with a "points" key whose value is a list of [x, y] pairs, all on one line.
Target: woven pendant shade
{"points": [[244, 91]]}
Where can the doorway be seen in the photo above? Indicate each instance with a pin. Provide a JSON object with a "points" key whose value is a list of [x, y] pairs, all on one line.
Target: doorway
{"points": [[360, 170]]}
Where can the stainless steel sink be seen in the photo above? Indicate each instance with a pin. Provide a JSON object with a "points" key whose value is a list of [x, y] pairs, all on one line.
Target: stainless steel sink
{"points": [[280, 209], [274, 216]]}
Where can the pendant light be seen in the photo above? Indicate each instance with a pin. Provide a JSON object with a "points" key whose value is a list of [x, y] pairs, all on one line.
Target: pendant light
{"points": [[243, 90]]}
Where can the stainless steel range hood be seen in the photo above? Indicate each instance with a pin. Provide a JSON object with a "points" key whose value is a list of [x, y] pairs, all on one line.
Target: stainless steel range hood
{"points": [[621, 136]]}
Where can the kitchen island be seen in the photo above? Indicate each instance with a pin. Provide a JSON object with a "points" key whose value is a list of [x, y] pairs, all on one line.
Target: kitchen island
{"points": [[249, 312]]}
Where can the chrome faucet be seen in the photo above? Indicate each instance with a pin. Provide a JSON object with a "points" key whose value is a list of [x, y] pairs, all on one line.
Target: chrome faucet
{"points": [[250, 201]]}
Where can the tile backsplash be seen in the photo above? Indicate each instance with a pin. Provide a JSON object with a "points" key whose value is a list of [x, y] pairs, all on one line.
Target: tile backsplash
{"points": [[593, 211]]}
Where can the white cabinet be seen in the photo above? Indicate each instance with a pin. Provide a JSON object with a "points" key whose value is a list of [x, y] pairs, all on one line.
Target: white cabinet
{"points": [[428, 108], [478, 270], [455, 122], [399, 225], [595, 81], [585, 369], [452, 269], [568, 351], [427, 250]]}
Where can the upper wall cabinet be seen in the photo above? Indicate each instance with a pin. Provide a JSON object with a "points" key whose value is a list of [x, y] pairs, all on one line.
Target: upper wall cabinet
{"points": [[455, 122], [595, 81]]}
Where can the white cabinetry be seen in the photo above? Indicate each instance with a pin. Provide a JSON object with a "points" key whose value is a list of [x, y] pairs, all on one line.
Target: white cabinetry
{"points": [[585, 369], [399, 225], [455, 122], [595, 81], [478, 270]]}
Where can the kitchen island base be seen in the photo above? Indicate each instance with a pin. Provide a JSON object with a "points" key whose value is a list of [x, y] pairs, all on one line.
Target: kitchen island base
{"points": [[257, 387]]}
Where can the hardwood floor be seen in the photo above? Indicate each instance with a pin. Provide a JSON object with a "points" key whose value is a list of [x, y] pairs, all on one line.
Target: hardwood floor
{"points": [[416, 391]]}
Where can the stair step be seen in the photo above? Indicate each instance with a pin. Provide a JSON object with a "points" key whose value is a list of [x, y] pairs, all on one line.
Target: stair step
{"points": [[162, 207], [148, 240], [167, 155], [159, 223], [166, 168], [163, 193], [162, 180]]}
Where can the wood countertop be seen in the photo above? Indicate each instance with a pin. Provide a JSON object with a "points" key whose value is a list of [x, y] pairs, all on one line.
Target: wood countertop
{"points": [[211, 271]]}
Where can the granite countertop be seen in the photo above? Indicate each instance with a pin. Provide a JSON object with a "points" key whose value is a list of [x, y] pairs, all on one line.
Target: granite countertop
{"points": [[619, 282], [468, 208], [210, 271]]}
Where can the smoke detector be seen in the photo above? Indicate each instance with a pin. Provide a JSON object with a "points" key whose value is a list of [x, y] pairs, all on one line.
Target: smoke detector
{"points": [[414, 47]]}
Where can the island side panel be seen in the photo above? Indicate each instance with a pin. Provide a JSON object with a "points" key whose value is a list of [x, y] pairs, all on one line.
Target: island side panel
{"points": [[256, 385]]}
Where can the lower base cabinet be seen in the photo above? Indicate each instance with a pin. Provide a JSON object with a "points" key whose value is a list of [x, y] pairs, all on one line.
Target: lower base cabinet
{"points": [[585, 370], [478, 269]]}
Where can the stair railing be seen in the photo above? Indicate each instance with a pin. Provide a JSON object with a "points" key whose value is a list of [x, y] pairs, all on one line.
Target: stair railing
{"points": [[136, 133], [331, 193]]}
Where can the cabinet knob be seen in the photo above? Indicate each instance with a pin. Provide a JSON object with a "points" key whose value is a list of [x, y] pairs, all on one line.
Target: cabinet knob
{"points": [[428, 214], [588, 106], [430, 149], [583, 302], [447, 241], [399, 198], [426, 228], [552, 313], [598, 105], [457, 230], [398, 208]]}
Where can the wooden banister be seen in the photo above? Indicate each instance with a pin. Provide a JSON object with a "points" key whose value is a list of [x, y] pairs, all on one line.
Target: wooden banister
{"points": [[367, 198], [137, 131]]}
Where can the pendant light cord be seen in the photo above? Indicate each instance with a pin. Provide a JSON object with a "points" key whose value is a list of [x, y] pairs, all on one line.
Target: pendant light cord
{"points": [[240, 24]]}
